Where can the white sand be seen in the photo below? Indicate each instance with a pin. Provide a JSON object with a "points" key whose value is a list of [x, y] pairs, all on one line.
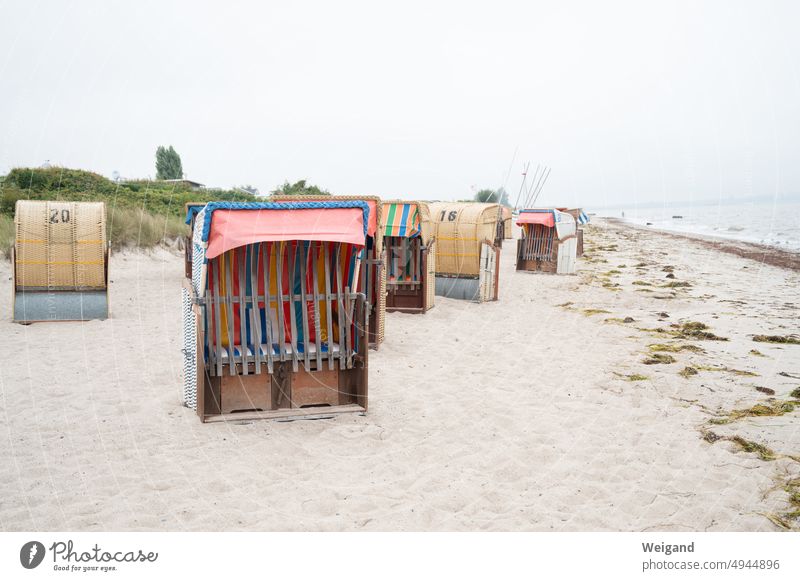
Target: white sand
{"points": [[503, 416]]}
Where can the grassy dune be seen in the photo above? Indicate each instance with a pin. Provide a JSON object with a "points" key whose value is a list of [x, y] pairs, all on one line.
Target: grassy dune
{"points": [[140, 213]]}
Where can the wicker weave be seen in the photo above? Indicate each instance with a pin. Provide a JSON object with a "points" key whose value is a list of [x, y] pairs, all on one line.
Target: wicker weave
{"points": [[461, 228], [60, 245]]}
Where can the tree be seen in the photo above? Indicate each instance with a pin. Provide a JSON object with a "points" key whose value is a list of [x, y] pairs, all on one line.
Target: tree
{"points": [[300, 188], [168, 164], [487, 196]]}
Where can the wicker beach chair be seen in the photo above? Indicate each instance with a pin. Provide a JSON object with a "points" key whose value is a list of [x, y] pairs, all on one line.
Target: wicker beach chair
{"points": [[60, 261], [410, 256], [467, 250], [549, 241]]}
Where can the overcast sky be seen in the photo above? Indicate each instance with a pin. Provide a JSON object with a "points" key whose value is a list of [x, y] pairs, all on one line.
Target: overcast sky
{"points": [[627, 101]]}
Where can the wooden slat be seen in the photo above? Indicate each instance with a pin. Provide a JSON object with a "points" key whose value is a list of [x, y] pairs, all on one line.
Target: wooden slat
{"points": [[340, 305], [347, 337], [303, 249], [307, 413], [217, 317], [255, 312], [229, 312], [329, 310], [315, 252], [212, 354], [292, 302], [240, 254], [279, 246], [268, 339]]}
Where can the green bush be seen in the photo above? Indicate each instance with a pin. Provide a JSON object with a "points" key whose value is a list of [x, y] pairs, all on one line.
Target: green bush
{"points": [[140, 213]]}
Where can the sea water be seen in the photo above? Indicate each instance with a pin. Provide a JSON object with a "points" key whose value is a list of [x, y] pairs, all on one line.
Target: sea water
{"points": [[774, 224]]}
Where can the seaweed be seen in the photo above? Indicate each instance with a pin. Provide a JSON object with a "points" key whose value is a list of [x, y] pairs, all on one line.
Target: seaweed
{"points": [[771, 409], [590, 312], [767, 390], [795, 393], [659, 359], [641, 283], [687, 372], [746, 445], [696, 330], [740, 372], [757, 353], [632, 376], [675, 347], [676, 284], [782, 339]]}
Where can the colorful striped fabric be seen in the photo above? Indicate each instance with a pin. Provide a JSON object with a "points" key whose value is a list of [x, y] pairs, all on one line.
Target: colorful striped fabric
{"points": [[401, 220], [583, 218], [234, 267]]}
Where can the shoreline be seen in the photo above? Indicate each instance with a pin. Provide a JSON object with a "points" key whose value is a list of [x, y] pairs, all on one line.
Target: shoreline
{"points": [[761, 253]]}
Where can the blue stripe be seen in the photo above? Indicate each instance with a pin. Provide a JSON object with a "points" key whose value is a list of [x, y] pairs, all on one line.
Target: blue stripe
{"points": [[404, 219]]}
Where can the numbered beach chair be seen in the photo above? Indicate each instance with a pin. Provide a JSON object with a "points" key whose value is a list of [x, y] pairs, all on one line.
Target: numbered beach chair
{"points": [[373, 275], [467, 252], [273, 323], [549, 241], [60, 261], [409, 248]]}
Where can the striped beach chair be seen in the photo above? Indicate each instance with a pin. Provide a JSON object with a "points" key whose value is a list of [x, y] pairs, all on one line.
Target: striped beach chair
{"points": [[549, 241], [273, 323], [410, 256]]}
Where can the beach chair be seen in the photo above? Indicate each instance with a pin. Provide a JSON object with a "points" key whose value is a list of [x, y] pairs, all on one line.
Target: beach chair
{"points": [[59, 261], [373, 275], [467, 250], [409, 248], [549, 241], [191, 209], [505, 225], [581, 219], [273, 325]]}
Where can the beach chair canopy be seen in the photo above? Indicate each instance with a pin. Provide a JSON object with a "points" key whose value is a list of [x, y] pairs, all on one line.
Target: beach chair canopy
{"points": [[550, 218], [402, 219], [228, 225]]}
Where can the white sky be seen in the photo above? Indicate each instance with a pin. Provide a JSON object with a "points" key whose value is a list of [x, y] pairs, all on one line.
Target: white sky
{"points": [[627, 101]]}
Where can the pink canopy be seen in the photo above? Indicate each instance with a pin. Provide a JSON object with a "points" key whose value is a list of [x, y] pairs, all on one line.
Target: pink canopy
{"points": [[544, 218], [234, 228]]}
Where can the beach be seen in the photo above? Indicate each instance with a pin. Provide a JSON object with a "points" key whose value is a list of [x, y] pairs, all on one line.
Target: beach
{"points": [[617, 399]]}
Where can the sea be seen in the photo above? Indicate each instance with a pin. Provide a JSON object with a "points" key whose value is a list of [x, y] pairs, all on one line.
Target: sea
{"points": [[771, 223]]}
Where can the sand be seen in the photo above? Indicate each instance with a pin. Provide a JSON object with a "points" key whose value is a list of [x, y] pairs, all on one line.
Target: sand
{"points": [[513, 415]]}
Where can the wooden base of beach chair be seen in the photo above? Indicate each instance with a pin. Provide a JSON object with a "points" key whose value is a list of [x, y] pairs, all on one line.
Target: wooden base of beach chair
{"points": [[296, 414], [284, 393], [407, 299], [559, 260], [580, 242]]}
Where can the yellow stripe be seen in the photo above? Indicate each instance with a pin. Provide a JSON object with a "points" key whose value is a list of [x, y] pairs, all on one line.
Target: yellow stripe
{"points": [[45, 241], [60, 262]]}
